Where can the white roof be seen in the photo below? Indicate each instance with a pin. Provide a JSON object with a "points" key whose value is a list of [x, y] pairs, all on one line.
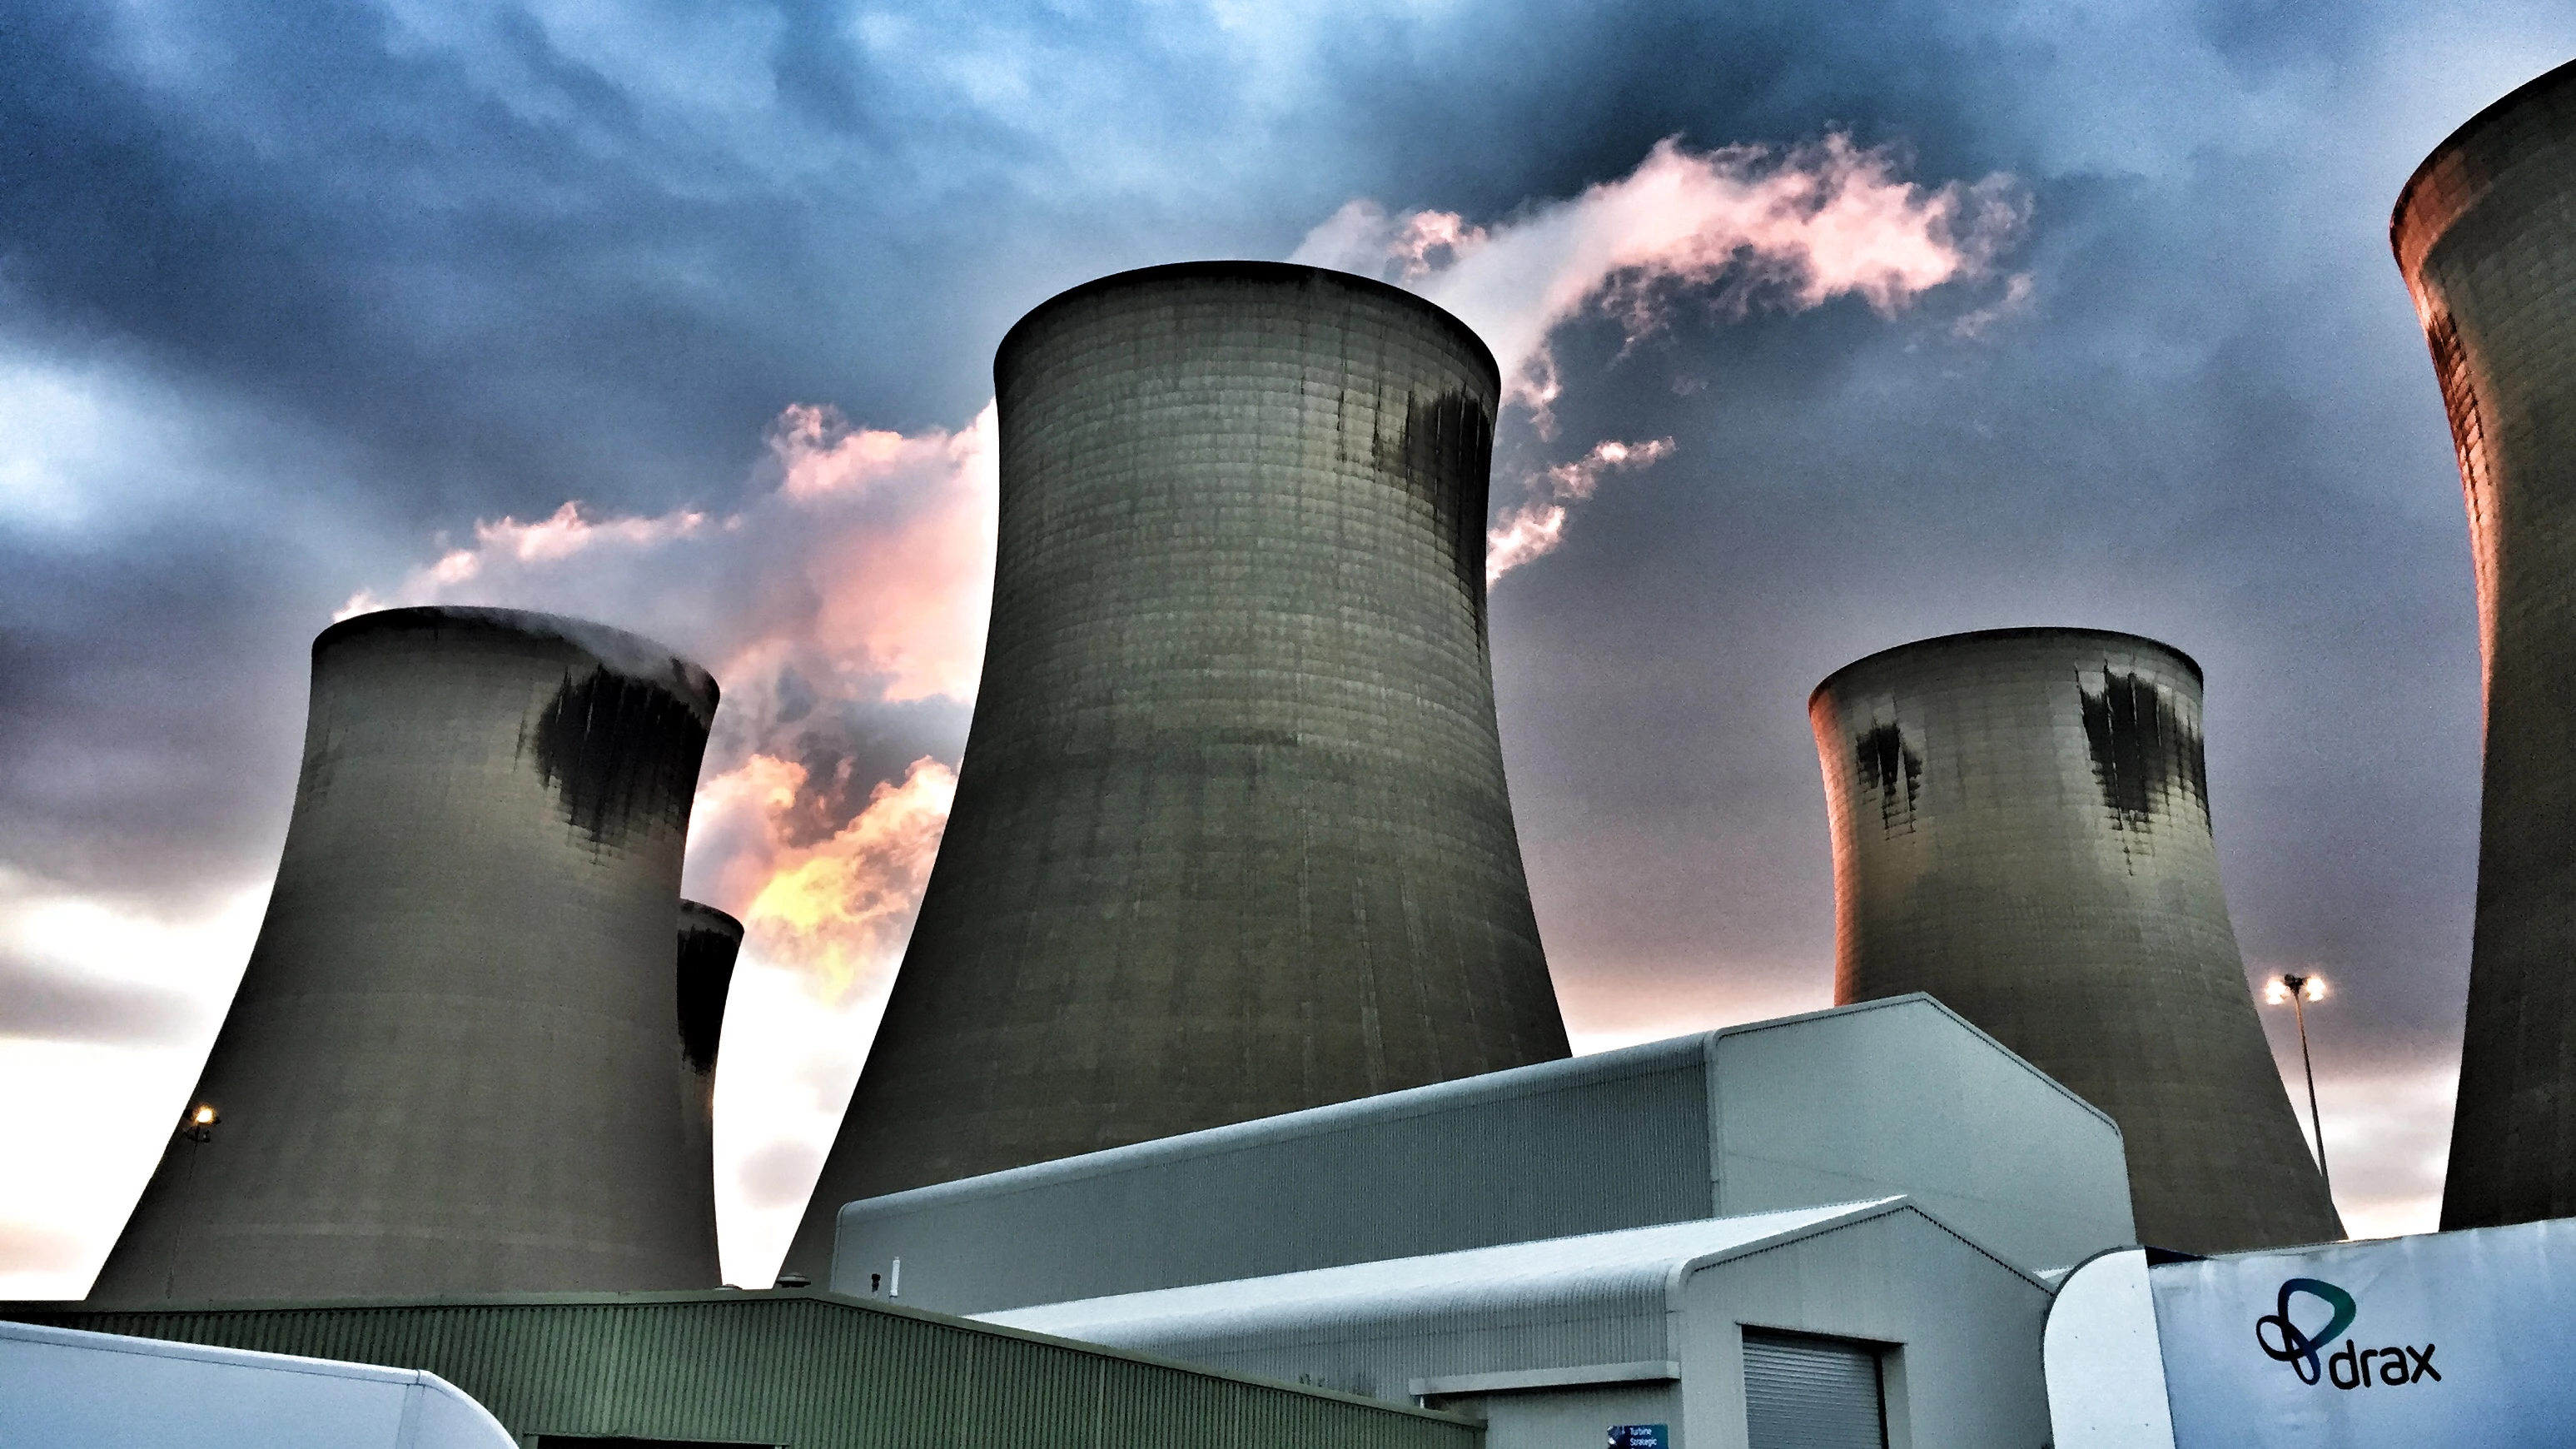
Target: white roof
{"points": [[1633, 1269], [69, 1388]]}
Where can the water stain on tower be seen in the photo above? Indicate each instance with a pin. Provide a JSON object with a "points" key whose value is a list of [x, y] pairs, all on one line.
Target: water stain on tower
{"points": [[1891, 770], [2147, 754], [1445, 457], [621, 754]]}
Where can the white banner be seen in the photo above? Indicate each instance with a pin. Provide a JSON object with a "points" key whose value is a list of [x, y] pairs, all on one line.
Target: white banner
{"points": [[2450, 1339]]}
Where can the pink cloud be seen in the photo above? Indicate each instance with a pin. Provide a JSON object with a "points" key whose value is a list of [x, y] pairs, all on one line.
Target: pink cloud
{"points": [[838, 908], [1534, 527], [1748, 225], [857, 576], [1764, 226]]}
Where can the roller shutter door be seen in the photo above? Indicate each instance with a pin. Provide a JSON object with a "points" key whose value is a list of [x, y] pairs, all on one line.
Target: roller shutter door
{"points": [[1811, 1393]]}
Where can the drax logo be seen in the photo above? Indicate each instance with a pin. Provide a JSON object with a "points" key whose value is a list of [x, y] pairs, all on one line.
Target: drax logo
{"points": [[2346, 1368]]}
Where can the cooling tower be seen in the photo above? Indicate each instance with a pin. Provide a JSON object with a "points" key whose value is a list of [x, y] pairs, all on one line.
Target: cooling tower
{"points": [[449, 1066], [2486, 235], [709, 942], [2021, 828], [1230, 835]]}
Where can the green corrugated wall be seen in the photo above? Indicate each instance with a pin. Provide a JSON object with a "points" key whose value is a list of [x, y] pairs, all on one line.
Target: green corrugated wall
{"points": [[790, 1368]]}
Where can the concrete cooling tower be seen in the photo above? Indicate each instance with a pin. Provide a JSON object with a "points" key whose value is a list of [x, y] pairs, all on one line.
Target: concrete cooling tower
{"points": [[2486, 235], [449, 1066], [709, 942], [2021, 828], [1230, 835]]}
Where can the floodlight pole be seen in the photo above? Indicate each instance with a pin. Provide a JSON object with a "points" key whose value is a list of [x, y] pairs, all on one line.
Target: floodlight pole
{"points": [[198, 1130], [2299, 1008]]}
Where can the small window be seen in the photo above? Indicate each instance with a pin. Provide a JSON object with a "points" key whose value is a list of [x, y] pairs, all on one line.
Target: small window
{"points": [[1805, 1392]]}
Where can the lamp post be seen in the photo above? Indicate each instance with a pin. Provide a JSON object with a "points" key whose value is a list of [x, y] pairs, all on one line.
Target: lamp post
{"points": [[198, 1129], [2299, 990]]}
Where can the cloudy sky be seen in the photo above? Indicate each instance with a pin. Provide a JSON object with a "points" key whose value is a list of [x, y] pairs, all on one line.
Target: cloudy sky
{"points": [[1832, 327]]}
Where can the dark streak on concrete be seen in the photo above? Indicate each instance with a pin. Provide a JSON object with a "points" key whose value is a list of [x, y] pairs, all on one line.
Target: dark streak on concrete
{"points": [[709, 942], [1893, 770], [621, 753], [2451, 368], [1446, 457], [2145, 753]]}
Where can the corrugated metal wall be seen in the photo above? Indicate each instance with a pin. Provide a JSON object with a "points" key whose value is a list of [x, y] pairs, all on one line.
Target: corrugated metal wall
{"points": [[792, 1369]]}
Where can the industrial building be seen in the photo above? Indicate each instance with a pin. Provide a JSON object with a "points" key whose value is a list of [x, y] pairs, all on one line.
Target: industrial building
{"points": [[698, 1370], [449, 1067], [1230, 836], [2485, 233], [1863, 1325], [2021, 828], [1887, 1098], [709, 941]]}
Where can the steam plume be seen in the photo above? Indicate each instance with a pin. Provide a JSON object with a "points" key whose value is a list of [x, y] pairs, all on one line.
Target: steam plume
{"points": [[1752, 225]]}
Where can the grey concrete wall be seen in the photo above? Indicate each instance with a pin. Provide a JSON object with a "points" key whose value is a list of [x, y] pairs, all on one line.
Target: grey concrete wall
{"points": [[709, 942], [2486, 236], [1891, 1097], [1231, 836], [449, 1065], [2021, 828]]}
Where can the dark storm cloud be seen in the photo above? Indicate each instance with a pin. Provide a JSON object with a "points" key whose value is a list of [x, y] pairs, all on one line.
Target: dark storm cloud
{"points": [[150, 703]]}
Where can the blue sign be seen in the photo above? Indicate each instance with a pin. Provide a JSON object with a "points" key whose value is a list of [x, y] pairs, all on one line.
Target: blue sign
{"points": [[1641, 1436]]}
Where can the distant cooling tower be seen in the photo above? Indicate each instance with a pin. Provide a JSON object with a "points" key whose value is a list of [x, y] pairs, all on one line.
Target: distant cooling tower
{"points": [[449, 1066], [2021, 828], [2486, 235], [1230, 835], [709, 942]]}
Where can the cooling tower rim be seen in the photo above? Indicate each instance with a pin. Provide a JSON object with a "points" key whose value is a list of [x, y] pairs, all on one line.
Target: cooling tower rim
{"points": [[706, 917], [2464, 138], [1245, 270], [614, 649], [2038, 631]]}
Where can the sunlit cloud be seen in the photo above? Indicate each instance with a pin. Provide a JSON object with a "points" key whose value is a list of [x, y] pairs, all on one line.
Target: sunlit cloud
{"points": [[840, 907], [1536, 525], [853, 583], [859, 577], [1739, 227]]}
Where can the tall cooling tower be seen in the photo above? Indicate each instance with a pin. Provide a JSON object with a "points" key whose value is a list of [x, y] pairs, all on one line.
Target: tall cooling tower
{"points": [[709, 942], [1230, 836], [2021, 828], [449, 1066], [2486, 235]]}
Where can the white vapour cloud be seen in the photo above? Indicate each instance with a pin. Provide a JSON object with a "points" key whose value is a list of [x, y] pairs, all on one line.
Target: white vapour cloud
{"points": [[1755, 225], [1534, 526]]}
